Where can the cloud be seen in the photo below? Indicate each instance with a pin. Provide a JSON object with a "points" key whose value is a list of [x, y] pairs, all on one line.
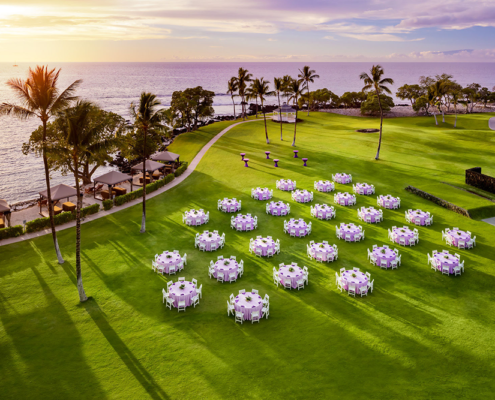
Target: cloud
{"points": [[329, 38], [380, 37], [271, 40]]}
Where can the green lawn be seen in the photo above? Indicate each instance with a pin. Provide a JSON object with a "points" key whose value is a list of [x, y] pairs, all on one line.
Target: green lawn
{"points": [[420, 334]]}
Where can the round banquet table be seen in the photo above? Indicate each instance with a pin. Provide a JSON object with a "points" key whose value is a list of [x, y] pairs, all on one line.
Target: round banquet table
{"points": [[196, 217], [459, 235], [407, 234], [392, 201], [299, 225], [247, 307], [207, 240], [286, 184], [342, 178], [301, 196], [262, 194], [246, 222], [359, 281], [388, 256], [364, 188], [264, 246], [185, 294], [349, 229], [324, 210], [294, 276], [327, 251], [168, 259], [345, 197], [276, 208], [220, 266], [413, 215], [451, 261], [371, 212], [232, 206], [325, 186]]}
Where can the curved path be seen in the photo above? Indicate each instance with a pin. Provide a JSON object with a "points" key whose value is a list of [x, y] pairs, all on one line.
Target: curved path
{"points": [[190, 169], [491, 123]]}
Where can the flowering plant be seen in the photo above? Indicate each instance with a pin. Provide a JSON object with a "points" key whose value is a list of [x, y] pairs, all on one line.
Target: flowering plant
{"points": [[446, 257], [353, 275], [248, 298], [264, 240], [168, 256], [322, 246], [291, 269], [226, 262], [210, 234], [459, 233], [182, 286], [383, 251]]}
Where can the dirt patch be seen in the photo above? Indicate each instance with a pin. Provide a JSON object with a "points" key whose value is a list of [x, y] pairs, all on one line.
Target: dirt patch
{"points": [[368, 130]]}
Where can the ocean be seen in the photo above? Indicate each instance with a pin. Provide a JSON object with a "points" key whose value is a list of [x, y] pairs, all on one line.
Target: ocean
{"points": [[114, 86]]}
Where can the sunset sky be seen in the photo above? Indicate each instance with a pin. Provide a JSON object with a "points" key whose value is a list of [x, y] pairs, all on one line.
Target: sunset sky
{"points": [[247, 30]]}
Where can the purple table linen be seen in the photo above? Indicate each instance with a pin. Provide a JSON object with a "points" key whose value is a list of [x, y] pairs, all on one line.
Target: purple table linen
{"points": [[246, 222], [324, 210], [195, 216], [346, 197], [325, 186], [371, 212], [165, 263], [232, 206], [286, 185], [302, 196], [270, 244], [364, 188], [326, 251], [294, 276], [204, 238], [262, 194], [185, 294], [388, 256], [359, 281], [391, 201], [418, 214], [277, 207], [459, 235], [226, 269], [452, 261], [300, 227], [247, 307], [349, 229], [407, 234]]}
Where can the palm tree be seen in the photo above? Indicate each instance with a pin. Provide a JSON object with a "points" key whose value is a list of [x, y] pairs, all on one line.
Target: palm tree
{"points": [[243, 77], [307, 75], [438, 90], [79, 125], [432, 100], [455, 96], [278, 83], [287, 84], [252, 92], [232, 89], [41, 98], [375, 82], [263, 89], [147, 120], [297, 92]]}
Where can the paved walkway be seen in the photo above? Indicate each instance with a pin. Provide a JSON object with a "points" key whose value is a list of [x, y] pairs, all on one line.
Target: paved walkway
{"points": [[490, 221], [190, 169], [491, 123]]}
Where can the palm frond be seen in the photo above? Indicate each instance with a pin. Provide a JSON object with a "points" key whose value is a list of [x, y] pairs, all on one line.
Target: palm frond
{"points": [[16, 111], [66, 97]]}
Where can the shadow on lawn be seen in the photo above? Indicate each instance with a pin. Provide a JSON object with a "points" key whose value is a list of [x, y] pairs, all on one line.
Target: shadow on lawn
{"points": [[135, 367], [45, 339]]}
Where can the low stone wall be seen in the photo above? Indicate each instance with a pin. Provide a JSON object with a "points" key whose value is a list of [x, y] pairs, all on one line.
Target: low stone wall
{"points": [[475, 178], [439, 201]]}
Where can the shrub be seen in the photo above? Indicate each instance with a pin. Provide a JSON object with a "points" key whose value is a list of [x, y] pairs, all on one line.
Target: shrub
{"points": [[169, 178], [179, 171], [39, 224], [107, 204], [119, 200], [371, 106], [13, 231]]}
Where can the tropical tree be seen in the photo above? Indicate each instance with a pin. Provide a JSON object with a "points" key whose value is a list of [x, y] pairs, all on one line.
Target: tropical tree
{"points": [[287, 85], [375, 81], [40, 97], [73, 139], [146, 135], [252, 93], [192, 105], [278, 84], [307, 75], [409, 92], [263, 90], [297, 92], [232, 90], [243, 77], [438, 90], [455, 98], [432, 99], [104, 140]]}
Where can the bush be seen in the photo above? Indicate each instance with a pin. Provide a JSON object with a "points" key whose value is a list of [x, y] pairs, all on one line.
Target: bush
{"points": [[13, 231], [119, 200], [107, 204], [169, 178], [371, 106], [39, 224], [179, 171]]}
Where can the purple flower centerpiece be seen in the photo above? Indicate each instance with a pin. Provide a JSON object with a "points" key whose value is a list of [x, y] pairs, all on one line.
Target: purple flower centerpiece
{"points": [[291, 269], [446, 257], [322, 246], [402, 230], [248, 299], [296, 222], [353, 275], [210, 234], [182, 286], [383, 251], [226, 262], [459, 233], [264, 240], [168, 256], [243, 217]]}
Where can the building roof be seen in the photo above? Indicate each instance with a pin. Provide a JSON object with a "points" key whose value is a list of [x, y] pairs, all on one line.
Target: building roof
{"points": [[4, 206], [285, 109], [61, 191], [165, 156], [150, 166], [112, 178]]}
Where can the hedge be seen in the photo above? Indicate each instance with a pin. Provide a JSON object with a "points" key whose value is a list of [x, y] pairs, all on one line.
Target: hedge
{"points": [[12, 231], [179, 171], [44, 223], [438, 200], [107, 204], [119, 200]]}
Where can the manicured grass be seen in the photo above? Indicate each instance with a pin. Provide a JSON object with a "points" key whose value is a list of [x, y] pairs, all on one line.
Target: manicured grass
{"points": [[420, 334]]}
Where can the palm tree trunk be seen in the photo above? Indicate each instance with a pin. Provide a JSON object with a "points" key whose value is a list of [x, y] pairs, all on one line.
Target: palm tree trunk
{"points": [[280, 117], [381, 125], [49, 198], [143, 220], [80, 287], [264, 117], [443, 115], [435, 115], [307, 91], [295, 128], [233, 102], [256, 107], [455, 122]]}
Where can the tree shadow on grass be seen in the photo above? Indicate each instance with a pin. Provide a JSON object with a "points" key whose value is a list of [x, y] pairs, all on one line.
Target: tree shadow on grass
{"points": [[135, 367]]}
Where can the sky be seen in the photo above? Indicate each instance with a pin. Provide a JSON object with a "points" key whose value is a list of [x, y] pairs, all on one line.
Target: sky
{"points": [[247, 30]]}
